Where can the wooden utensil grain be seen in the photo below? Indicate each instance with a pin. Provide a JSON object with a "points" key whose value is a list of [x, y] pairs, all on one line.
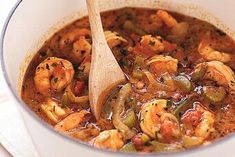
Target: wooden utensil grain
{"points": [[105, 72]]}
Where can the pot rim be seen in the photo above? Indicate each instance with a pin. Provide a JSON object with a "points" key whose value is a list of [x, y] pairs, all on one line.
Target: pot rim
{"points": [[77, 142]]}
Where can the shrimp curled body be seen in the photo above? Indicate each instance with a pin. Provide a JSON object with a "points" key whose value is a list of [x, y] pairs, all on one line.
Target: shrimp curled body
{"points": [[73, 36], [109, 139], [52, 110], [167, 18], [221, 74], [157, 123], [160, 64], [81, 49], [209, 54], [114, 39], [53, 74]]}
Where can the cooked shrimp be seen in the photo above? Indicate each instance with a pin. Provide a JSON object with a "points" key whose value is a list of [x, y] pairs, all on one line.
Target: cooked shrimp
{"points": [[221, 74], [160, 64], [114, 39], [151, 24], [209, 54], [53, 74], [205, 127], [53, 111], [169, 127], [85, 134], [157, 123], [167, 18], [72, 121], [73, 35], [153, 43], [81, 48], [156, 22], [180, 30], [109, 139], [192, 141], [198, 122]]}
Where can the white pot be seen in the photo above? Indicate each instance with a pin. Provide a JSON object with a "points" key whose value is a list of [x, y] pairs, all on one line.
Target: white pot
{"points": [[34, 21]]}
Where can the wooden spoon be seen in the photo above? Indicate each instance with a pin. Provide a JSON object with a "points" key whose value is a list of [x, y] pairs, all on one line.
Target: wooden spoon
{"points": [[105, 73]]}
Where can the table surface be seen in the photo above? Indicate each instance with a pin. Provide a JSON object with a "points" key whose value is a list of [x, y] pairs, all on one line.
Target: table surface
{"points": [[5, 8]]}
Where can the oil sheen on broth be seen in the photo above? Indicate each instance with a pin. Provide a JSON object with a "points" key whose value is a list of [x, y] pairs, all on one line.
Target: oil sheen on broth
{"points": [[180, 89]]}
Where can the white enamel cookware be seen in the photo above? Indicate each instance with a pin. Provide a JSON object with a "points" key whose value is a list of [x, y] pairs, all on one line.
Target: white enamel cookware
{"points": [[33, 21]]}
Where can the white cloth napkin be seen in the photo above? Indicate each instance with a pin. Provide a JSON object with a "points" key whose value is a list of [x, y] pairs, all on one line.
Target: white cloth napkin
{"points": [[14, 136]]}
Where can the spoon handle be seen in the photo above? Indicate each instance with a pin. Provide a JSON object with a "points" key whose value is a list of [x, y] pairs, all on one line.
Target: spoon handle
{"points": [[105, 73], [95, 21]]}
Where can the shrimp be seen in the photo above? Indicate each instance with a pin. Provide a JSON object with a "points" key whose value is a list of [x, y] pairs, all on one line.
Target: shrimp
{"points": [[72, 121], [153, 43], [151, 24], [53, 74], [52, 110], [205, 127], [156, 22], [109, 139], [220, 73], [157, 123], [167, 18], [160, 64], [81, 48], [209, 54], [85, 134], [198, 122], [73, 35], [114, 39]]}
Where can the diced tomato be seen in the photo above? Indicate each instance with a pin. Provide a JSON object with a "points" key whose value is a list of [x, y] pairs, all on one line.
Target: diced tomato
{"points": [[191, 118], [180, 55], [58, 70], [79, 87], [141, 50], [135, 38], [167, 130], [177, 96], [169, 46], [138, 142]]}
